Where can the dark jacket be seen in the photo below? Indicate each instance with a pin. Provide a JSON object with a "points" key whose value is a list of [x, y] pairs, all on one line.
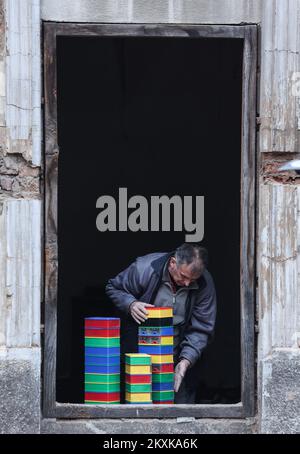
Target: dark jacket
{"points": [[140, 282]]}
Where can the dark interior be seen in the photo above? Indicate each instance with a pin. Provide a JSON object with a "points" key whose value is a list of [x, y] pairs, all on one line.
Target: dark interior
{"points": [[157, 116]]}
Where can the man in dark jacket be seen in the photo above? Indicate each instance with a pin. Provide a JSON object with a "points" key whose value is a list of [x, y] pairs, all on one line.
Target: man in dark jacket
{"points": [[180, 280]]}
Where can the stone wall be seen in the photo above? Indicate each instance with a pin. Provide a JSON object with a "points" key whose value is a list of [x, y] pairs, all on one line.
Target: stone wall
{"points": [[160, 11], [20, 217], [278, 232]]}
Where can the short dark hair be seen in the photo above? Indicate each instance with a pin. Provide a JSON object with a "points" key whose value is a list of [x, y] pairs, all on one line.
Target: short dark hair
{"points": [[191, 252]]}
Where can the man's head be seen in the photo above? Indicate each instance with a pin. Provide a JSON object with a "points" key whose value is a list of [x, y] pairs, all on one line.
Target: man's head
{"points": [[188, 263]]}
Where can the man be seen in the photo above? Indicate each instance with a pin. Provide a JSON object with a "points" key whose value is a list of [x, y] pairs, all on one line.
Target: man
{"points": [[178, 279]]}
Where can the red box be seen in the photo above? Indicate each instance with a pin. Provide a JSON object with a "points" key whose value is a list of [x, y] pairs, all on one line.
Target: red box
{"points": [[138, 378], [102, 332], [101, 322], [163, 402], [106, 397], [161, 368]]}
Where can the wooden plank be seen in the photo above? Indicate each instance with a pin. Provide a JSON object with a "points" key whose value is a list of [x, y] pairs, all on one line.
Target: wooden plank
{"points": [[51, 264], [84, 411], [247, 240], [149, 30]]}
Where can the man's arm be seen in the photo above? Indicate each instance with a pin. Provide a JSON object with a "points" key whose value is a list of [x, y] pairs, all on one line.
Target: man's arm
{"points": [[201, 325]]}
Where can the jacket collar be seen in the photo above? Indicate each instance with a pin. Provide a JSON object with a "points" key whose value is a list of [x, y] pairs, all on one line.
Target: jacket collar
{"points": [[158, 264]]}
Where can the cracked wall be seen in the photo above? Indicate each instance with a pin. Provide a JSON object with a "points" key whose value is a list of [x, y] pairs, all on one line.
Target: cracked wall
{"points": [[20, 216], [278, 229]]}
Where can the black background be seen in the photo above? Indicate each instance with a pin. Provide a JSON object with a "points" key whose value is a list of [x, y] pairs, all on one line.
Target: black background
{"points": [[158, 116]]}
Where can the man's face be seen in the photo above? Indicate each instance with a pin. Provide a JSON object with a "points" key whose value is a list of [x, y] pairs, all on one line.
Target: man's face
{"points": [[183, 275]]}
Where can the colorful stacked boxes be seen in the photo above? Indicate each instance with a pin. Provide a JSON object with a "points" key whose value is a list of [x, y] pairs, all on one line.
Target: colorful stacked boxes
{"points": [[102, 360], [156, 339], [138, 385]]}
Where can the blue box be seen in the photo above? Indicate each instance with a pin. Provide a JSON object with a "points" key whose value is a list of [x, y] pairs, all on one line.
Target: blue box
{"points": [[93, 369], [163, 386], [102, 360], [102, 351], [156, 349]]}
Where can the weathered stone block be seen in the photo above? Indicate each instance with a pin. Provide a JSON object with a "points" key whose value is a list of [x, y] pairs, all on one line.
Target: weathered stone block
{"points": [[8, 166], [281, 393], [27, 171], [6, 182], [20, 391]]}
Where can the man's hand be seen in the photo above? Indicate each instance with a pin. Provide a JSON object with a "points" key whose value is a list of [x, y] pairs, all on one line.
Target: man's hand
{"points": [[180, 371], [138, 311]]}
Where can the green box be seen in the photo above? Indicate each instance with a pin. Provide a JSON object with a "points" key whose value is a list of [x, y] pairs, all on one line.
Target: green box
{"points": [[141, 359], [162, 395], [102, 342], [162, 378], [142, 388], [102, 387], [102, 378]]}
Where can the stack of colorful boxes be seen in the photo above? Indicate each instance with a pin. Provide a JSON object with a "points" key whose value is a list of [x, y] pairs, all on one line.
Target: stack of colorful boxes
{"points": [[156, 339], [102, 360], [138, 378]]}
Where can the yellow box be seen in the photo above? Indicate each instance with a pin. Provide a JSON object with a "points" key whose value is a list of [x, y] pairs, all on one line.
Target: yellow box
{"points": [[167, 340], [142, 370], [138, 397], [160, 313], [162, 359]]}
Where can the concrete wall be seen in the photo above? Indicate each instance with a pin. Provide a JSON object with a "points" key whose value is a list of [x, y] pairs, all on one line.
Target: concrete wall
{"points": [[20, 217], [278, 239], [278, 235], [147, 11]]}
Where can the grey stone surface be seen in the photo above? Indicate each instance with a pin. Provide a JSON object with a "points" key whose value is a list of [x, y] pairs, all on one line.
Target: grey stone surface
{"points": [[20, 393], [280, 397], [152, 426], [160, 11], [18, 178]]}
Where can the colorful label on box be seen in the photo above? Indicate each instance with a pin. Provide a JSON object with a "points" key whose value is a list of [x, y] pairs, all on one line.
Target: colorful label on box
{"points": [[156, 331], [155, 340]]}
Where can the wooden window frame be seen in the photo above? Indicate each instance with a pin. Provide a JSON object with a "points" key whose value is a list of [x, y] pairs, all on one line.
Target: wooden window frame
{"points": [[245, 408]]}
